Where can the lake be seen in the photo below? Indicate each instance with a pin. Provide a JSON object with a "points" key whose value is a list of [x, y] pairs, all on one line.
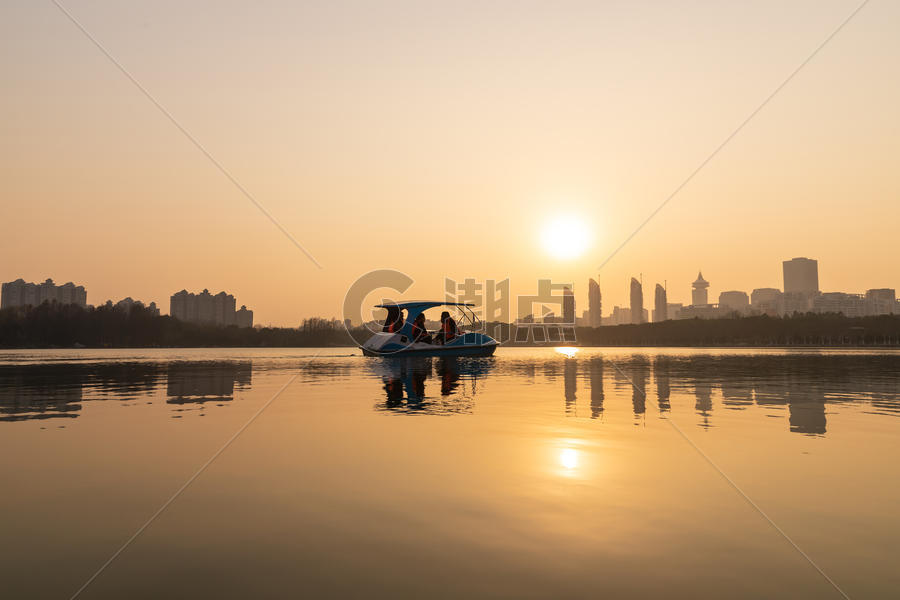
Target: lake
{"points": [[536, 473]]}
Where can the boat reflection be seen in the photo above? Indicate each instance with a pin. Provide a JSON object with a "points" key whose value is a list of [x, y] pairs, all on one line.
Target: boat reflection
{"points": [[404, 382]]}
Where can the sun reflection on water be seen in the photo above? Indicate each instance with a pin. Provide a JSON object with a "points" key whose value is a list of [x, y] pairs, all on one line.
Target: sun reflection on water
{"points": [[568, 458], [567, 351]]}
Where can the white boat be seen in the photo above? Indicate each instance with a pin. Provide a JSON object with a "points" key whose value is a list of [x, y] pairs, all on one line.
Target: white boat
{"points": [[400, 342]]}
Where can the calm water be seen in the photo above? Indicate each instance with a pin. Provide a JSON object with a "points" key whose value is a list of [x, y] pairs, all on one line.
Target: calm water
{"points": [[529, 474]]}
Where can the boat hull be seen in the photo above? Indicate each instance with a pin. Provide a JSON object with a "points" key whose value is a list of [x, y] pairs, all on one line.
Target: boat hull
{"points": [[398, 344], [435, 351]]}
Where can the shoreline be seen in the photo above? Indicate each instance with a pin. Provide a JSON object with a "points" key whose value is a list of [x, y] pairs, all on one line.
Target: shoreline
{"points": [[553, 345]]}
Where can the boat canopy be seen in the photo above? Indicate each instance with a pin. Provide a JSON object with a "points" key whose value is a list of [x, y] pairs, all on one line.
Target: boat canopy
{"points": [[421, 305]]}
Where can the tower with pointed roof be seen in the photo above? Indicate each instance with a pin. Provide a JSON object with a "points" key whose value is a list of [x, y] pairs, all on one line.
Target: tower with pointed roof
{"points": [[699, 295], [637, 302]]}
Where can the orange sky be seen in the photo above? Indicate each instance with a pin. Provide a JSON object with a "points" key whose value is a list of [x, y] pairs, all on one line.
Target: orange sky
{"points": [[365, 127]]}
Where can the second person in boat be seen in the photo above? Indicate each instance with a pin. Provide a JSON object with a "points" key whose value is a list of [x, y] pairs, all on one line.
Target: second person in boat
{"points": [[419, 333], [448, 329]]}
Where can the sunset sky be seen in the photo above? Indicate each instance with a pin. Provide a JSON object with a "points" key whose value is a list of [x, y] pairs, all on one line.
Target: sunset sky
{"points": [[438, 139]]}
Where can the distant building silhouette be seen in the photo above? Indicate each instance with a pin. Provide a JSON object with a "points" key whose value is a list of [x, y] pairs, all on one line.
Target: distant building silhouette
{"points": [[673, 309], [850, 305], [208, 309], [19, 293], [568, 307], [801, 275], [801, 284], [734, 301], [767, 301], [637, 301], [700, 307], [881, 301], [244, 317], [618, 316], [661, 306], [623, 316], [126, 304], [595, 304], [699, 293]]}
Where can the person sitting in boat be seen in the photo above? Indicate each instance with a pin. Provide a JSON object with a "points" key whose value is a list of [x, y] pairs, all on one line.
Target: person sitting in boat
{"points": [[394, 320], [419, 333], [448, 328]]}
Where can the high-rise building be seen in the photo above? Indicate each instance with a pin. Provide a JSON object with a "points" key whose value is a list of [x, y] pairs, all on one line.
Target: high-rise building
{"points": [[661, 305], [595, 304], [20, 293], [244, 318], [801, 275], [673, 310], [207, 308], [699, 293], [734, 301], [767, 301], [801, 284], [881, 301], [568, 308], [623, 316], [849, 305], [619, 316], [637, 301]]}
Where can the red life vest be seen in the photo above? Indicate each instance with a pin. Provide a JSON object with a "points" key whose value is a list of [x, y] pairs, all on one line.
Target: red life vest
{"points": [[446, 329]]}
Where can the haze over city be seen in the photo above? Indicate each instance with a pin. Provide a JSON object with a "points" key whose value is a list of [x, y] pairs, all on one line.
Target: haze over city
{"points": [[441, 140], [421, 299]]}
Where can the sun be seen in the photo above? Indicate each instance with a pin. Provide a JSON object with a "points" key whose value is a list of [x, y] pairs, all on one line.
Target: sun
{"points": [[565, 237]]}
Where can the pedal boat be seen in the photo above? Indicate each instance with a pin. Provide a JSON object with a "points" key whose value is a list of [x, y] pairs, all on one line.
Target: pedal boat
{"points": [[466, 343]]}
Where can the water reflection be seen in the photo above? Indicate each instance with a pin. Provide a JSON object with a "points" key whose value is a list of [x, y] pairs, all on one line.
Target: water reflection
{"points": [[567, 351], [802, 384], [404, 383], [42, 393], [638, 375], [704, 390], [59, 390], [663, 385], [192, 385], [568, 458], [570, 386], [595, 379]]}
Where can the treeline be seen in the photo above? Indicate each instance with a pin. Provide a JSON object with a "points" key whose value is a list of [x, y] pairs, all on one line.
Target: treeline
{"points": [[60, 326], [797, 330], [808, 329], [52, 325]]}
